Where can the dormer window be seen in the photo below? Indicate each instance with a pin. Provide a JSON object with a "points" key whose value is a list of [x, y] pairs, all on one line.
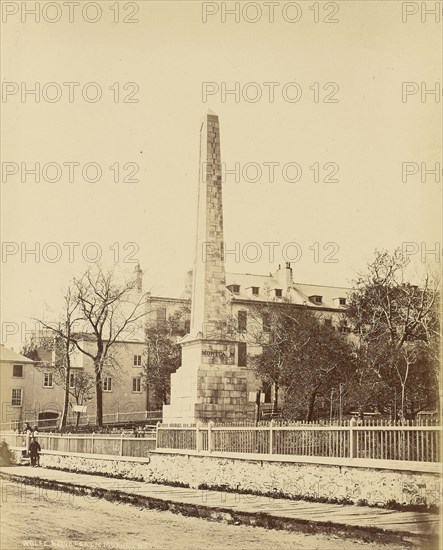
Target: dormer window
{"points": [[253, 290], [316, 299], [235, 289]]}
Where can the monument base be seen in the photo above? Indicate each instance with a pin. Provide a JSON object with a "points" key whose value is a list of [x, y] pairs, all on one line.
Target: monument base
{"points": [[206, 389]]}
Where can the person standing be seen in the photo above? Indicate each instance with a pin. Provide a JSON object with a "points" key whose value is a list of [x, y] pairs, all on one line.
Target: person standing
{"points": [[34, 452]]}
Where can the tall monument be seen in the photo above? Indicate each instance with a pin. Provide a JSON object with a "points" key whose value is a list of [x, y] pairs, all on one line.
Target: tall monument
{"points": [[211, 383]]}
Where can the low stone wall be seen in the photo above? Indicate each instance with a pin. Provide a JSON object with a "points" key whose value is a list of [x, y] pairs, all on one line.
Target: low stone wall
{"points": [[290, 479]]}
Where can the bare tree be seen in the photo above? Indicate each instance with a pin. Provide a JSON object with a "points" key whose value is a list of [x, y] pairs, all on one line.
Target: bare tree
{"points": [[61, 345], [111, 310], [103, 311]]}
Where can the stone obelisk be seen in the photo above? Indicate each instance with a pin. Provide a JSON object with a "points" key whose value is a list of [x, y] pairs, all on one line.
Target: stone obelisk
{"points": [[209, 384]]}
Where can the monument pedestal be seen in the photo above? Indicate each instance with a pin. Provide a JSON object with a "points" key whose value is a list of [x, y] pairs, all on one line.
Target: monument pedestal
{"points": [[209, 386]]}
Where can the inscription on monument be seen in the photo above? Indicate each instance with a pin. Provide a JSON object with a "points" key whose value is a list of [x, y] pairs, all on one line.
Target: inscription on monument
{"points": [[225, 356], [213, 353]]}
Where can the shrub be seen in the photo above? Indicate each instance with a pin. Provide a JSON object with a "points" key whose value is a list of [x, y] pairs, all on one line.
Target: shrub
{"points": [[6, 455]]}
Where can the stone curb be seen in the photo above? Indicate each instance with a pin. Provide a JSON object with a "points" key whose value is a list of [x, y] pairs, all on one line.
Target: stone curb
{"points": [[235, 517]]}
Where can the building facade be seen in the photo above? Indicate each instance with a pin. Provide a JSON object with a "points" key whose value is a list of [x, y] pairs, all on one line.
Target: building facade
{"points": [[16, 386], [246, 294], [33, 391]]}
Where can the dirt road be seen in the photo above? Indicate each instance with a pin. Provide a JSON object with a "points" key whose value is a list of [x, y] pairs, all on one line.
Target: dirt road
{"points": [[41, 518]]}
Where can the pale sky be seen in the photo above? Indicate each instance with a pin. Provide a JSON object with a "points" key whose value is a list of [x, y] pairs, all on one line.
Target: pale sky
{"points": [[169, 54]]}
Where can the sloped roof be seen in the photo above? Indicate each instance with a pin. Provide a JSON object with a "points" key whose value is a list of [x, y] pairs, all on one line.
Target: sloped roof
{"points": [[299, 293], [265, 283], [10, 356], [328, 293]]}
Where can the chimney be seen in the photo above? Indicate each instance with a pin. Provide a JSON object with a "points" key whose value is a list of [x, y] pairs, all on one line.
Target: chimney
{"points": [[138, 278], [284, 276], [288, 276]]}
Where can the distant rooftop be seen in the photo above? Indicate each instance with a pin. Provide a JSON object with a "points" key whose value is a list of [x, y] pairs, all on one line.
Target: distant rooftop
{"points": [[10, 356], [298, 293]]}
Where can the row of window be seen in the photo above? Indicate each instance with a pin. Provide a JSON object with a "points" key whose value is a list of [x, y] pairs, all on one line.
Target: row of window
{"points": [[242, 322], [48, 382], [255, 290], [136, 384], [17, 372], [17, 393], [242, 316]]}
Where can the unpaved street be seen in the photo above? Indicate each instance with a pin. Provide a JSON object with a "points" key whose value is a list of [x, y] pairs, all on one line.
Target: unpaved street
{"points": [[51, 519]]}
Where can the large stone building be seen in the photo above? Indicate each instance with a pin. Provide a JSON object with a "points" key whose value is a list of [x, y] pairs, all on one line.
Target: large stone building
{"points": [[246, 291]]}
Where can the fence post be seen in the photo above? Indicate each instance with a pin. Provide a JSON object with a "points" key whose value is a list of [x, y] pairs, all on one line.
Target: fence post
{"points": [[210, 424], [92, 443], [49, 441], [121, 444], [271, 437], [352, 423], [69, 442], [156, 435], [197, 436]]}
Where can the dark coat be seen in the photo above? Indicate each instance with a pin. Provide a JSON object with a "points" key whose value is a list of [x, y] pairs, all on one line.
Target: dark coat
{"points": [[34, 448]]}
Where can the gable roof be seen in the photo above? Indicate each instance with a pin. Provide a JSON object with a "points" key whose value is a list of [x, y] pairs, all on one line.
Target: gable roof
{"points": [[10, 356]]}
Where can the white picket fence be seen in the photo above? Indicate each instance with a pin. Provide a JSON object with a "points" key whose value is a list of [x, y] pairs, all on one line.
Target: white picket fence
{"points": [[414, 442], [117, 444], [374, 440]]}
